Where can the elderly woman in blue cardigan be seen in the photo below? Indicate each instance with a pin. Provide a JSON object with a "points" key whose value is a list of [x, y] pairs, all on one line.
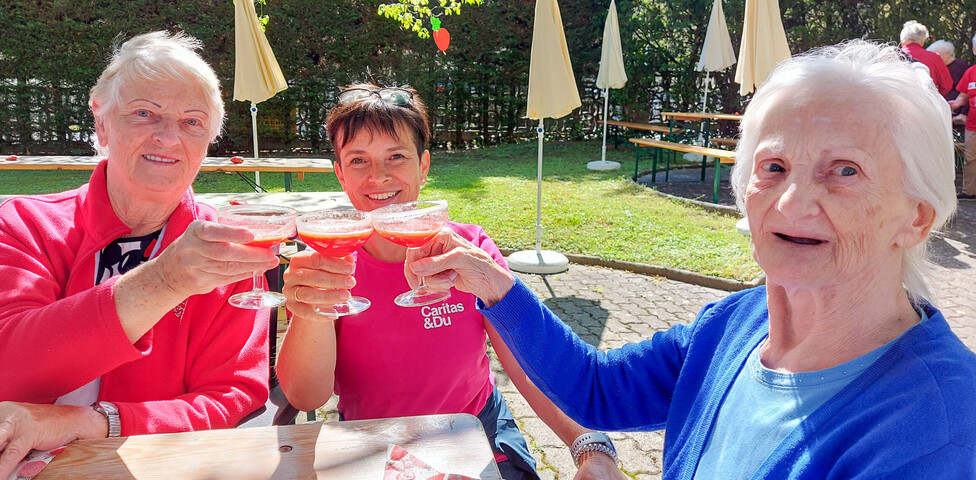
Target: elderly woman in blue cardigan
{"points": [[840, 367]]}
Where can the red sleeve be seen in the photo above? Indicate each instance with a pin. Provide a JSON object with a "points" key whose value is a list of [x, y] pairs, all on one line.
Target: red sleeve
{"points": [[945, 79], [51, 344], [226, 375], [967, 76]]}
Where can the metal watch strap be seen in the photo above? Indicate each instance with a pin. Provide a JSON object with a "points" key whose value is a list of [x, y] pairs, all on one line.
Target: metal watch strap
{"points": [[111, 413], [592, 442]]}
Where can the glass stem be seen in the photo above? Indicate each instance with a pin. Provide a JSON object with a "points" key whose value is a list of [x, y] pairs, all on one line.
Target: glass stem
{"points": [[258, 282], [422, 288]]}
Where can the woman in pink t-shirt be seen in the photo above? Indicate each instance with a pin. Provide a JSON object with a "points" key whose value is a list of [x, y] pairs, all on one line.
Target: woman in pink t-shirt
{"points": [[394, 361]]}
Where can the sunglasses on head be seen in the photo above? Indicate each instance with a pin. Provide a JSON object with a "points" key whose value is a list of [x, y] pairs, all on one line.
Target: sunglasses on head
{"points": [[394, 95]]}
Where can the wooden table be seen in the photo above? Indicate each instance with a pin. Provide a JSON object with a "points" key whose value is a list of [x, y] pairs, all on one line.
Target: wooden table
{"points": [[698, 116], [210, 164], [647, 127], [346, 450], [721, 157], [706, 123]]}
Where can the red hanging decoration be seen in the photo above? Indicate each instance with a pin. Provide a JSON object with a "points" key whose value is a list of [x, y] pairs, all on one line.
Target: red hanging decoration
{"points": [[441, 36]]}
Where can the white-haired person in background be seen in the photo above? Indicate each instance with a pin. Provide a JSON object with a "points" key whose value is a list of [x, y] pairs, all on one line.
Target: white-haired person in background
{"points": [[839, 367], [956, 66], [114, 318], [967, 97], [913, 38]]}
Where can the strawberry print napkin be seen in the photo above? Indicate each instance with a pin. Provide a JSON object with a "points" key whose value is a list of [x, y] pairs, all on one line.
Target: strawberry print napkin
{"points": [[33, 463], [402, 465]]}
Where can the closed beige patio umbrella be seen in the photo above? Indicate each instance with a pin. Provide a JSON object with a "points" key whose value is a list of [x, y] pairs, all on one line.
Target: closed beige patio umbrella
{"points": [[257, 76], [553, 94], [717, 52], [611, 75], [763, 44]]}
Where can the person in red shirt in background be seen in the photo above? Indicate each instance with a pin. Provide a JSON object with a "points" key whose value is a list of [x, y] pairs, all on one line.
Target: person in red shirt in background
{"points": [[967, 96], [913, 35]]}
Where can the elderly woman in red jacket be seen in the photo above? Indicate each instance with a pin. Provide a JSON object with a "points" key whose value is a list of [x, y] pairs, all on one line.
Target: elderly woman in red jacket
{"points": [[113, 297]]}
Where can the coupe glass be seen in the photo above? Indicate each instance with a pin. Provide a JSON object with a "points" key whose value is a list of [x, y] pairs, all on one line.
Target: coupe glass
{"points": [[271, 225], [337, 233], [412, 225]]}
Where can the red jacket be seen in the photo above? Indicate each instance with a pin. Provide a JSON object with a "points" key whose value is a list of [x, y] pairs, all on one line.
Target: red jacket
{"points": [[204, 365], [937, 68]]}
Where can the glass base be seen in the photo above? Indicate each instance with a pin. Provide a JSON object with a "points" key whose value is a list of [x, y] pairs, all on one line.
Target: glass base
{"points": [[420, 297], [352, 306], [256, 299]]}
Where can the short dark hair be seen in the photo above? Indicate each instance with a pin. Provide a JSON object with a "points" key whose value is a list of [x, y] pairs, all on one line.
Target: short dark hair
{"points": [[345, 120]]}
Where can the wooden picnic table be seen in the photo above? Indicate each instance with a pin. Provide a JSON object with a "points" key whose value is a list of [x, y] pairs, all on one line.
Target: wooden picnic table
{"points": [[722, 157], [706, 122], [706, 125], [699, 116], [454, 443], [301, 166], [647, 127]]}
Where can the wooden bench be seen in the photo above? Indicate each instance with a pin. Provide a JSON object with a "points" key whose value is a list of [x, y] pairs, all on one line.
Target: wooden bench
{"points": [[209, 164], [660, 128], [725, 143], [722, 157]]}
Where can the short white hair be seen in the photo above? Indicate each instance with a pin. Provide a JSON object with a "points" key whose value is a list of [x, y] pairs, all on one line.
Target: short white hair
{"points": [[917, 116], [914, 32], [943, 46], [156, 56]]}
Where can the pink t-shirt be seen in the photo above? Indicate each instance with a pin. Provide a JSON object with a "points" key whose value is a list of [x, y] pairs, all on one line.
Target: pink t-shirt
{"points": [[394, 361]]}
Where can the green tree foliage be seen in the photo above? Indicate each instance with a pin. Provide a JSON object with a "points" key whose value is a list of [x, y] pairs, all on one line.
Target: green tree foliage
{"points": [[52, 52], [411, 14]]}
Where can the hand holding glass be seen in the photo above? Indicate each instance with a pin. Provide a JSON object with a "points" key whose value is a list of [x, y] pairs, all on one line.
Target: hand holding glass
{"points": [[271, 225], [337, 233], [412, 225]]}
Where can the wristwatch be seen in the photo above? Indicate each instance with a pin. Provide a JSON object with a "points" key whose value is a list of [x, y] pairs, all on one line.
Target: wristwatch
{"points": [[592, 442], [111, 413]]}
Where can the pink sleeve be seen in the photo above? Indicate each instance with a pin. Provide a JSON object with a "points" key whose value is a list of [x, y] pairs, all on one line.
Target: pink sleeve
{"points": [[476, 235], [226, 378]]}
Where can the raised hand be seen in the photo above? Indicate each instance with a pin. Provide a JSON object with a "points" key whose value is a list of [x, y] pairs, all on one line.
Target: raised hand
{"points": [[313, 280], [448, 260], [209, 255], [206, 256]]}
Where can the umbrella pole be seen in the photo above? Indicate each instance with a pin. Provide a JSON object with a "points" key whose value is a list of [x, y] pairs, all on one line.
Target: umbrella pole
{"points": [[538, 261], [705, 96], [254, 134], [606, 108], [602, 163], [538, 197], [701, 133]]}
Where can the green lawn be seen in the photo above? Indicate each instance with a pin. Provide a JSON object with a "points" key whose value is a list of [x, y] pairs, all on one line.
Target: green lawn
{"points": [[584, 212]]}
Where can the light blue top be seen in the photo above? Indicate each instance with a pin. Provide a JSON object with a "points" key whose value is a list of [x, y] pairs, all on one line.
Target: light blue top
{"points": [[764, 406]]}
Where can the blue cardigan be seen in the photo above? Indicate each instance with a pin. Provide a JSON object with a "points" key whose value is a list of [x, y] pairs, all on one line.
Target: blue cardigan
{"points": [[910, 415]]}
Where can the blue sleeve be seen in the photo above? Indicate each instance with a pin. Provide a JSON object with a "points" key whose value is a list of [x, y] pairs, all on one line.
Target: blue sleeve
{"points": [[951, 462], [629, 388]]}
